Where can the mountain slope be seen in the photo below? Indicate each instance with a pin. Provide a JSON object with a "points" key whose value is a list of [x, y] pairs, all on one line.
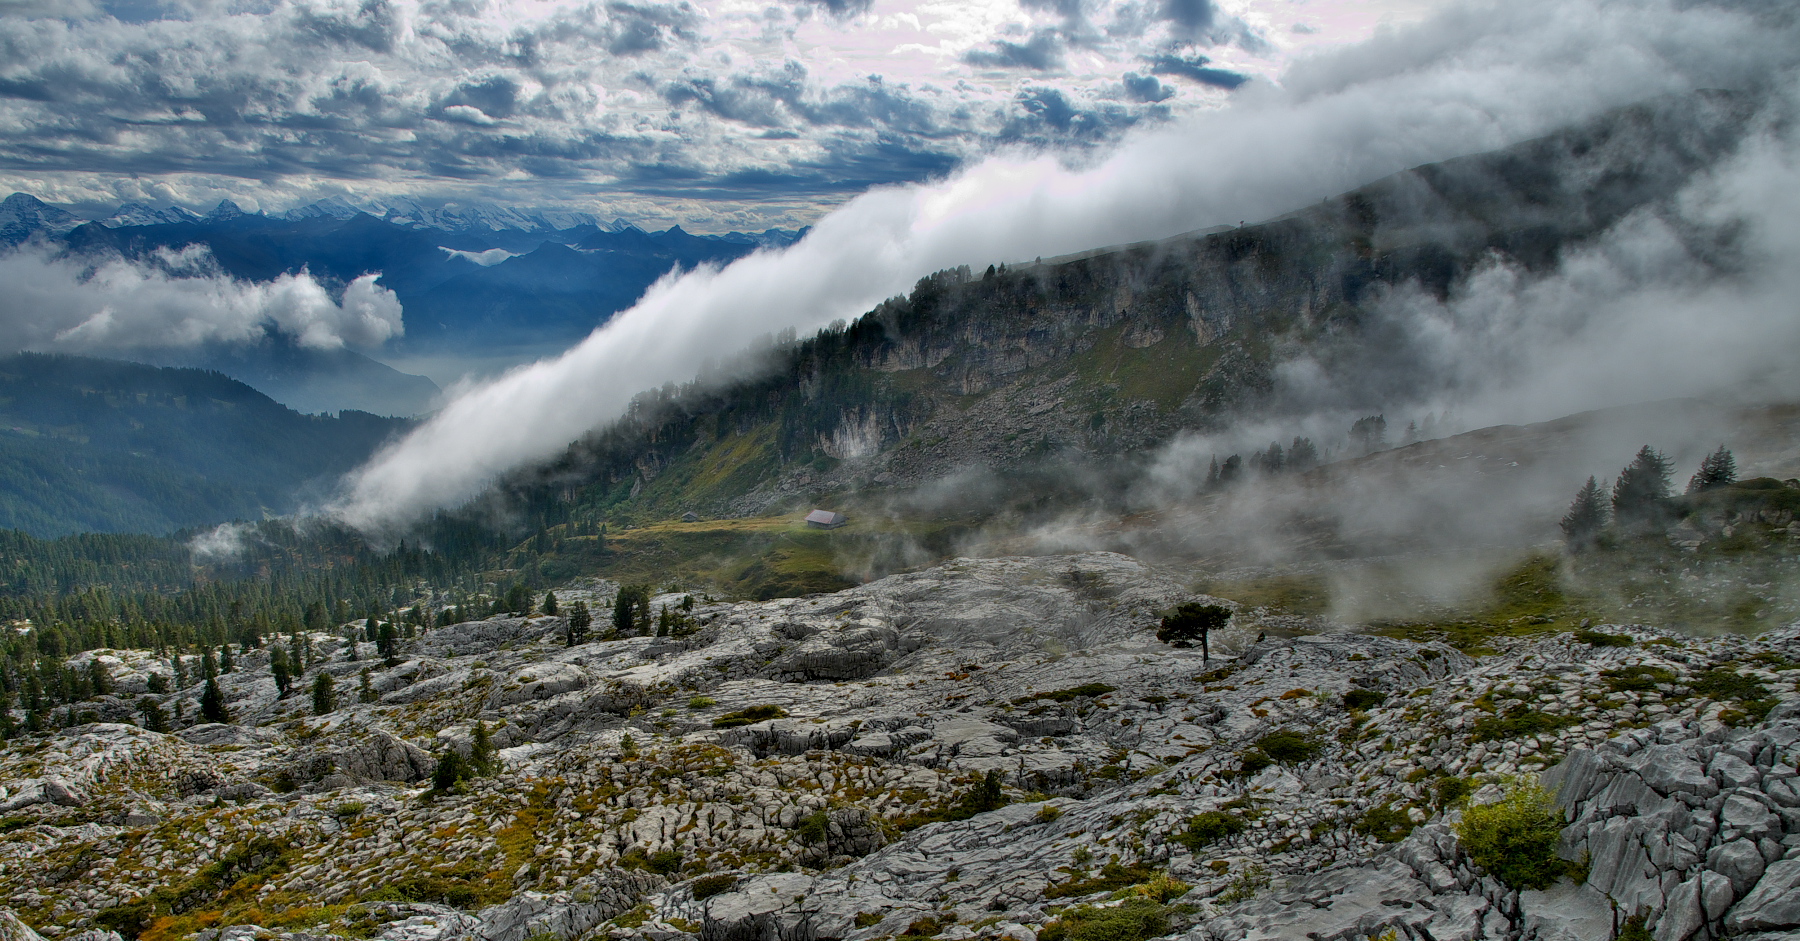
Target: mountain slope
{"points": [[1118, 350], [97, 445]]}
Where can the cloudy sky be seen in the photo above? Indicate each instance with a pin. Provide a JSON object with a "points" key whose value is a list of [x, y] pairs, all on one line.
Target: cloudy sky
{"points": [[717, 114]]}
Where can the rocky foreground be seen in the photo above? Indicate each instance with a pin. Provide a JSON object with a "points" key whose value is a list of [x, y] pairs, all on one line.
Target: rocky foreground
{"points": [[987, 749]]}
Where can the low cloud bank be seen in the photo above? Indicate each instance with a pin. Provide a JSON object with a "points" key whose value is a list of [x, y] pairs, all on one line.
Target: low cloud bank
{"points": [[177, 300]]}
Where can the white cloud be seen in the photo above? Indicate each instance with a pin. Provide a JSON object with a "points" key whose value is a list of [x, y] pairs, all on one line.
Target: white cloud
{"points": [[178, 300]]}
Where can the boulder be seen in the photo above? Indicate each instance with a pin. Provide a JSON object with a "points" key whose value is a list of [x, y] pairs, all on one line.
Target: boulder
{"points": [[1773, 903]]}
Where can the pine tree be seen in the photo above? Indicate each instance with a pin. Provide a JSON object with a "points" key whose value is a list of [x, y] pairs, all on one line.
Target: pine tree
{"points": [[324, 694], [1716, 470], [366, 686], [481, 749], [212, 703], [154, 720], [226, 662], [389, 645], [1640, 495], [278, 667], [580, 619], [1302, 455], [1582, 525], [624, 610], [550, 603]]}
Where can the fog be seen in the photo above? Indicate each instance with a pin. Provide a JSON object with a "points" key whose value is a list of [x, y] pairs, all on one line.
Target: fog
{"points": [[177, 300], [1474, 78]]}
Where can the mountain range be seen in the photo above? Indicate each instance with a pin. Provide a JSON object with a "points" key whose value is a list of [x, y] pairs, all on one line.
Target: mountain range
{"points": [[473, 280]]}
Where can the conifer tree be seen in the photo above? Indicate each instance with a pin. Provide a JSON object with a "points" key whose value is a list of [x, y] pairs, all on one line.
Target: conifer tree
{"points": [[278, 667], [324, 694], [1716, 470], [576, 627], [212, 703], [550, 603], [366, 686], [1640, 495], [154, 720], [1586, 518], [481, 749]]}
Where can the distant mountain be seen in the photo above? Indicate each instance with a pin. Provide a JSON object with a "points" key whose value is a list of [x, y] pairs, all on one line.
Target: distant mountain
{"points": [[22, 216], [98, 445], [315, 381], [140, 214]]}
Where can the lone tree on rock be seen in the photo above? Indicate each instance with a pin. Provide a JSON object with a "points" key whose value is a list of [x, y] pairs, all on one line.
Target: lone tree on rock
{"points": [[1193, 621], [1586, 518], [1716, 470]]}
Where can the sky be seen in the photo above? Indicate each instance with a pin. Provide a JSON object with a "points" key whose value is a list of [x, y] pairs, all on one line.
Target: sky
{"points": [[717, 115]]}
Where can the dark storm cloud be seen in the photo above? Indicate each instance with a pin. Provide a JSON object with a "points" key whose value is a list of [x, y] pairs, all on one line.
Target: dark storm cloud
{"points": [[1041, 52], [1197, 69]]}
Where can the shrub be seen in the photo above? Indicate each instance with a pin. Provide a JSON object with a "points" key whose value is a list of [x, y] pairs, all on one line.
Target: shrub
{"points": [[1049, 813], [1724, 683], [702, 702], [1514, 839], [1112, 877], [1287, 747], [813, 827], [664, 863], [1208, 828], [1639, 679], [706, 887], [1598, 639], [750, 716], [1133, 920], [1252, 761], [1451, 790], [1361, 699], [1386, 823], [1516, 723]]}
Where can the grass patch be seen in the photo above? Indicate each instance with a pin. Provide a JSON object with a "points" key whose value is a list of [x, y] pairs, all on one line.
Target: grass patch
{"points": [[750, 716], [1527, 600], [1085, 690], [1132, 920], [1283, 594]]}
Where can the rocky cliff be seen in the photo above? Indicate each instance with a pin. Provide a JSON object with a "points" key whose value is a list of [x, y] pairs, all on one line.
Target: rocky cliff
{"points": [[990, 748]]}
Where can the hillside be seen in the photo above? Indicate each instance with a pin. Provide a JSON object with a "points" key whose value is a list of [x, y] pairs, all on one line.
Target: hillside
{"points": [[104, 446], [1114, 352]]}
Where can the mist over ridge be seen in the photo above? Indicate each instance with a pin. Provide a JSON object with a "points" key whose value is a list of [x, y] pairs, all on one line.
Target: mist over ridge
{"points": [[1472, 79]]}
